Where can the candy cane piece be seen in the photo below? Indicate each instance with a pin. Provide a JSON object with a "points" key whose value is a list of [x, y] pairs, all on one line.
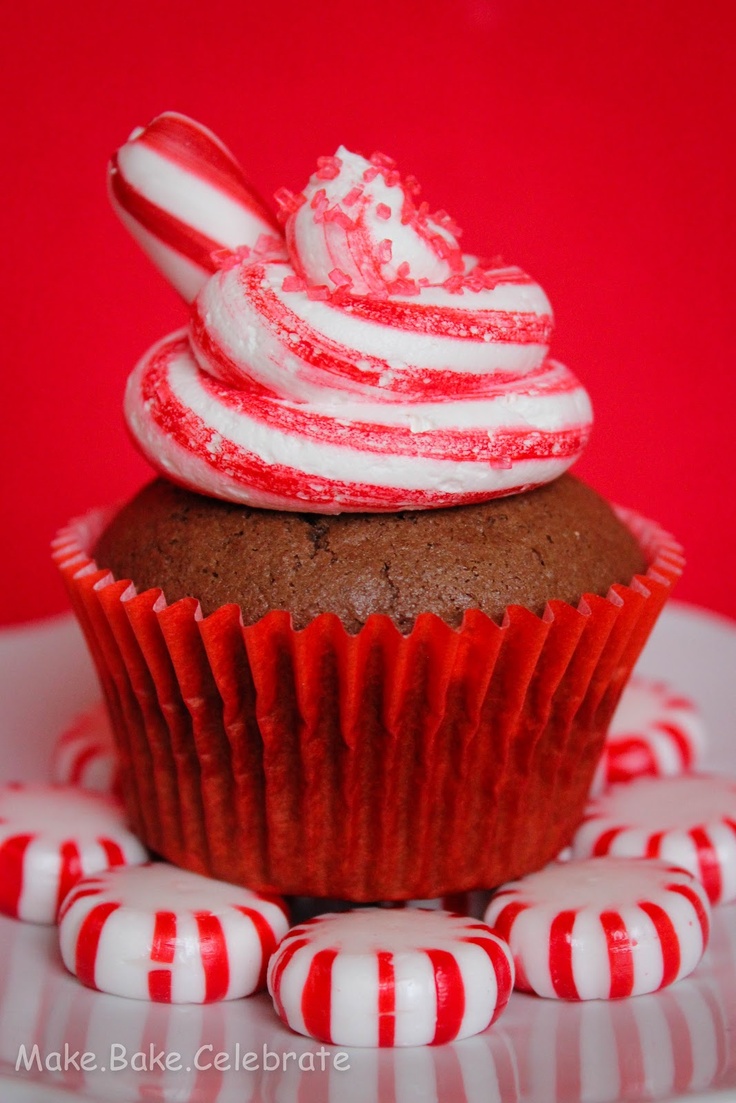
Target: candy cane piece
{"points": [[183, 196]]}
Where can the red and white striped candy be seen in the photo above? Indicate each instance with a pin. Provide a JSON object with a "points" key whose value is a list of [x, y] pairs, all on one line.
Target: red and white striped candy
{"points": [[688, 821], [602, 928], [384, 977], [161, 933], [655, 731], [50, 837], [183, 196], [664, 1045], [85, 753]]}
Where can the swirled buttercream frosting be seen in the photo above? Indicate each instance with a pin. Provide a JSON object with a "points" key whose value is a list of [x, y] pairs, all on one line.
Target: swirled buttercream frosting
{"points": [[347, 357]]}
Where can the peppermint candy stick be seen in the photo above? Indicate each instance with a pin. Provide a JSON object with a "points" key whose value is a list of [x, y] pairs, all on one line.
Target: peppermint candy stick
{"points": [[183, 196]]}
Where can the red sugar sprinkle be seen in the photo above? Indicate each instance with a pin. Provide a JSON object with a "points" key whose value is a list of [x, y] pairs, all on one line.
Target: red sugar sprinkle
{"points": [[267, 243], [319, 205], [225, 259], [371, 174], [456, 261], [320, 292], [337, 214], [403, 287], [454, 284], [443, 219], [403, 270], [475, 280], [408, 211], [288, 202], [353, 195], [411, 185], [342, 279], [328, 168], [423, 281], [383, 211], [382, 160], [490, 279], [385, 251], [440, 246], [293, 283]]}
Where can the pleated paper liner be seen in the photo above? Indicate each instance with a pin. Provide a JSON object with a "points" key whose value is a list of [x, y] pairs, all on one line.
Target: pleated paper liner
{"points": [[372, 766]]}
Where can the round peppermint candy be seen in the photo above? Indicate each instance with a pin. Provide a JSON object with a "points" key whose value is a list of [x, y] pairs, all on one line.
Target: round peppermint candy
{"points": [[688, 821], [655, 732], [50, 837], [161, 933], [390, 977], [85, 753], [602, 928]]}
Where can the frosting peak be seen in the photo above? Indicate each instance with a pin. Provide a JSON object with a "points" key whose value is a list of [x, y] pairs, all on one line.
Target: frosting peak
{"points": [[358, 363], [357, 224]]}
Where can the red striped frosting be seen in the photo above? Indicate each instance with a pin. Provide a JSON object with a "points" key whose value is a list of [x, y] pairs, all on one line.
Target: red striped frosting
{"points": [[362, 363]]}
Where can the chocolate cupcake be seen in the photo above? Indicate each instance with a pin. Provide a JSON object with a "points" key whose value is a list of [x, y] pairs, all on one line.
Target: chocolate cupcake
{"points": [[364, 638]]}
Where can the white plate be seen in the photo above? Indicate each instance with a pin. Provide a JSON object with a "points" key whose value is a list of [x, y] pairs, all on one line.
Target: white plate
{"points": [[675, 1044]]}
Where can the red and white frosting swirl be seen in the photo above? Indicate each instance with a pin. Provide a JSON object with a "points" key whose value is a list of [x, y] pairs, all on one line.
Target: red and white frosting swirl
{"points": [[362, 364]]}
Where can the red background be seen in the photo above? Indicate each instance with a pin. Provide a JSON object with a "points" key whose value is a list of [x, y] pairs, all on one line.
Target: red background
{"points": [[591, 143]]}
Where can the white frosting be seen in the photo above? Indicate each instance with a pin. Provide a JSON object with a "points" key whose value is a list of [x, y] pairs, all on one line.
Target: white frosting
{"points": [[378, 368]]}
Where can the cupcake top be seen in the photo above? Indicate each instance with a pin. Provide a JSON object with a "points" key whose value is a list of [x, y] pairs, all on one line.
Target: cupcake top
{"points": [[356, 362], [558, 541]]}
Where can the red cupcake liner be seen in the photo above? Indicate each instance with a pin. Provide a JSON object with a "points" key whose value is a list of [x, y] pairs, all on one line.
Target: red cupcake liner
{"points": [[373, 766]]}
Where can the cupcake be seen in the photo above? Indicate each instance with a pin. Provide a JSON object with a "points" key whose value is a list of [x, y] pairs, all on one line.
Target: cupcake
{"points": [[363, 636]]}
